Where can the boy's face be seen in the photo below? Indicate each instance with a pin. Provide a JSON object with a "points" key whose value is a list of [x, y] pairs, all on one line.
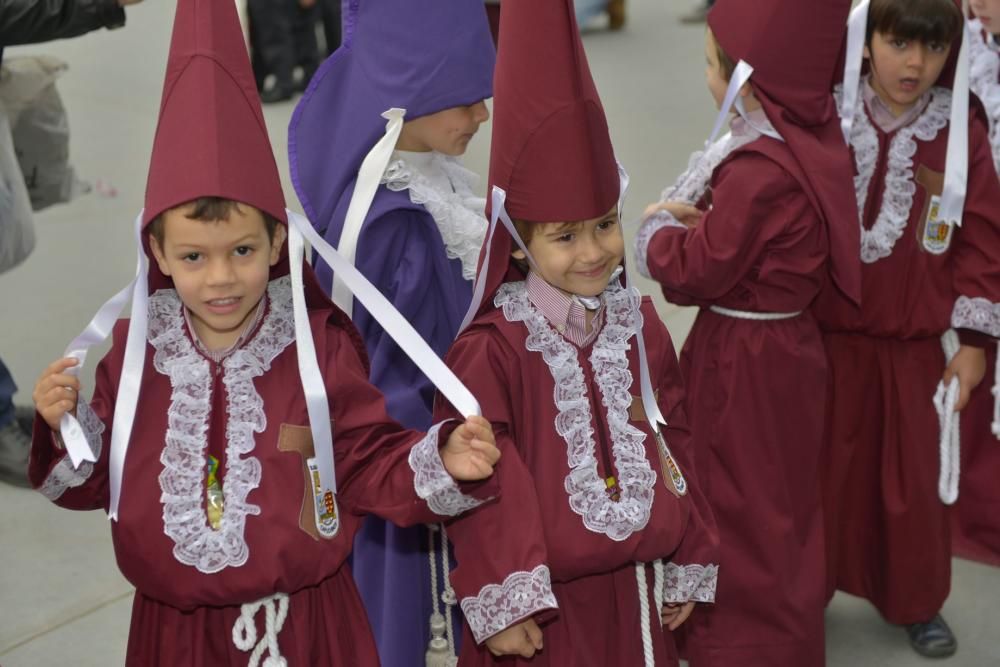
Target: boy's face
{"points": [[220, 268], [578, 257], [717, 83], [988, 12], [904, 70], [448, 131]]}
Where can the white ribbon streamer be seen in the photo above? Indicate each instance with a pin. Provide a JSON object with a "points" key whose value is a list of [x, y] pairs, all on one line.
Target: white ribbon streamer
{"points": [[394, 324], [369, 178], [741, 74], [995, 426], [956, 166], [945, 399], [317, 403], [95, 333], [857, 27]]}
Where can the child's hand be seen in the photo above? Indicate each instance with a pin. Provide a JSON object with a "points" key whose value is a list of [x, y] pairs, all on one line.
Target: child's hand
{"points": [[523, 639], [471, 451], [56, 392], [674, 614], [969, 365], [685, 213]]}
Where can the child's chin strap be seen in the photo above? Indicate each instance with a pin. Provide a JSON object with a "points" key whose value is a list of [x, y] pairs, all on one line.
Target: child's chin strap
{"points": [[741, 74], [95, 333], [857, 27]]}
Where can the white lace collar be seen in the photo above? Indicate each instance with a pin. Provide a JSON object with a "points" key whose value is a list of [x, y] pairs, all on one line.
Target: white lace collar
{"points": [[182, 481], [458, 212], [984, 80], [897, 198], [693, 183], [586, 489]]}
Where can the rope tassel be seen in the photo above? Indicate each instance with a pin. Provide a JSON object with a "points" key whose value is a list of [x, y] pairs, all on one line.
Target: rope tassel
{"points": [[245, 630]]}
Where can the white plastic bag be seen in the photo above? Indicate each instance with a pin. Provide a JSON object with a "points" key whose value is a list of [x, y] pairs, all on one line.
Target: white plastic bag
{"points": [[40, 128], [17, 230]]}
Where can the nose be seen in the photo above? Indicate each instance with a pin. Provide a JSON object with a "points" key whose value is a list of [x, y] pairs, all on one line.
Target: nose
{"points": [[917, 56], [220, 272], [591, 251], [479, 112]]}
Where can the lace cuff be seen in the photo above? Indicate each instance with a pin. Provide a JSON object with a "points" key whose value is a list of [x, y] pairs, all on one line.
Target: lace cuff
{"points": [[63, 475], [687, 583], [978, 314], [647, 230], [497, 607], [433, 483]]}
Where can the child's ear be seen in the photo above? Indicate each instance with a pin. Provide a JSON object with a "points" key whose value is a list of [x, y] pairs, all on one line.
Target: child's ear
{"points": [[280, 234], [519, 255], [158, 255], [867, 53]]}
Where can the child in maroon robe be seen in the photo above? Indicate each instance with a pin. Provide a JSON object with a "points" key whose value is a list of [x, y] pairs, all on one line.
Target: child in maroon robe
{"points": [[750, 235], [976, 518], [222, 519], [615, 538], [885, 477]]}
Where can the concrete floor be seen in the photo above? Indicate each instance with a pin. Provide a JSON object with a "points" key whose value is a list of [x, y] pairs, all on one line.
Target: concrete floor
{"points": [[62, 600]]}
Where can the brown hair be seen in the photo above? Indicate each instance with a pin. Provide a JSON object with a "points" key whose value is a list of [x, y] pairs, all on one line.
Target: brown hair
{"points": [[725, 62], [211, 209], [925, 21]]}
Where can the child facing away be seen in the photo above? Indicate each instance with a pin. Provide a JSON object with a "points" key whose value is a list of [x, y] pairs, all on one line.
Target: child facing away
{"points": [[975, 521], [616, 541], [395, 197], [750, 234], [223, 521], [886, 476]]}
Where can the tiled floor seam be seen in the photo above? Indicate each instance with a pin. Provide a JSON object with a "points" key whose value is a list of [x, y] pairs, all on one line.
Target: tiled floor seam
{"points": [[61, 624]]}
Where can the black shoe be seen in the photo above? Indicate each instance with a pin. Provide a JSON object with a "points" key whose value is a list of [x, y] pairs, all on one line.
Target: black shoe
{"points": [[15, 445], [933, 639], [277, 93]]}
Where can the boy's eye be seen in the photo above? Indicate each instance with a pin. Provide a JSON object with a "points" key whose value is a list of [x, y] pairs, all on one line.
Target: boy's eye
{"points": [[606, 225], [192, 257], [899, 43], [937, 47], [243, 250], [565, 238]]}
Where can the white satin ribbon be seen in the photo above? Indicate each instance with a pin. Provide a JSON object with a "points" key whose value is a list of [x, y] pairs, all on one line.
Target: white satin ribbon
{"points": [[995, 424], [95, 333], [369, 178], [857, 27], [394, 324], [741, 74], [956, 166], [317, 403]]}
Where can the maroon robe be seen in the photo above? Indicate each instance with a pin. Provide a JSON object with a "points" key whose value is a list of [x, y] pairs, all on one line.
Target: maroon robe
{"points": [[887, 530], [576, 545], [756, 403], [976, 515], [191, 580]]}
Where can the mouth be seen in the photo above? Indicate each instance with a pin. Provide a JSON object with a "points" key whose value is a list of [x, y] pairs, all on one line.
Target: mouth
{"points": [[224, 306], [593, 273], [909, 84]]}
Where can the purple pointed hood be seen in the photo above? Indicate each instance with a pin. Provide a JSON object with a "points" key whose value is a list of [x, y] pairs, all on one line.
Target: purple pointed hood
{"points": [[423, 56]]}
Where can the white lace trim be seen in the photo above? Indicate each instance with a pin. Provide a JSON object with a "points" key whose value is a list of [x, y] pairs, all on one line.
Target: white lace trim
{"points": [[984, 80], [586, 489], [978, 314], [647, 231], [433, 483], [460, 215], [182, 481], [897, 198], [691, 186], [686, 583], [63, 475], [498, 606]]}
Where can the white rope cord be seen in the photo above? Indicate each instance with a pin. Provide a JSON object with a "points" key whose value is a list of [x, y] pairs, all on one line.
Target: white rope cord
{"points": [[245, 630], [647, 637], [945, 399], [749, 315], [438, 653], [659, 574], [995, 426]]}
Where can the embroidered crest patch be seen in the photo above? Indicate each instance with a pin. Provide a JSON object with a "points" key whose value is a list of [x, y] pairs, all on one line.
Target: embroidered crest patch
{"points": [[937, 234], [319, 515]]}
